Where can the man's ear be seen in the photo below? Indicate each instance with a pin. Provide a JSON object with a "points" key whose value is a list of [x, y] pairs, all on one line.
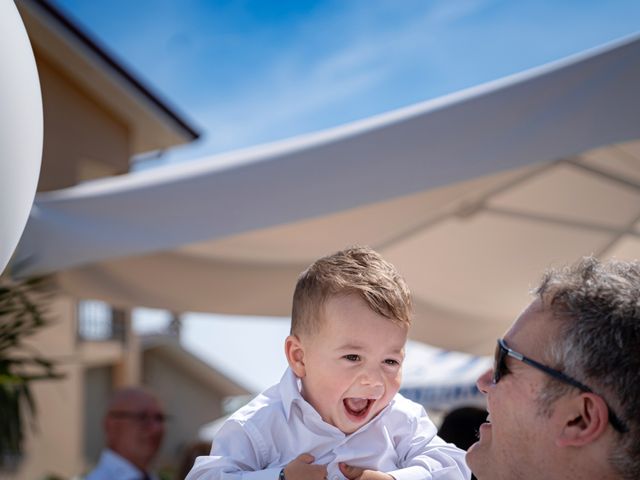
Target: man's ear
{"points": [[294, 351], [586, 418]]}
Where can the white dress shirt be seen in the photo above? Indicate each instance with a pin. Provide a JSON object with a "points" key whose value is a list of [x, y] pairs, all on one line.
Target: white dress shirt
{"points": [[261, 438], [112, 466]]}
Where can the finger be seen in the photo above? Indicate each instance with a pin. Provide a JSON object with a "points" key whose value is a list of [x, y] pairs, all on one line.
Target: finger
{"points": [[306, 458], [350, 472]]}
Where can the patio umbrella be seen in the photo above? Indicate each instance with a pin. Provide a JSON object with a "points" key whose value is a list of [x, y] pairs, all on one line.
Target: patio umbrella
{"points": [[471, 196]]}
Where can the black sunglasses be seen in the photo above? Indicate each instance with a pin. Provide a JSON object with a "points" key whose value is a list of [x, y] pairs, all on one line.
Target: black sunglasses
{"points": [[500, 369]]}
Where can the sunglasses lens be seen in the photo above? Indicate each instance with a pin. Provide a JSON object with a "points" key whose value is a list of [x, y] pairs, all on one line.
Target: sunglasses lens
{"points": [[498, 363]]}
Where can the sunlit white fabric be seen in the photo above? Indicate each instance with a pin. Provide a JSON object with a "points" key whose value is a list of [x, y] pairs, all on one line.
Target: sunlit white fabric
{"points": [[278, 425]]}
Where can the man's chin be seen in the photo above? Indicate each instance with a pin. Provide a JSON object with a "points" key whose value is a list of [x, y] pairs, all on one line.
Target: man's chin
{"points": [[472, 451], [470, 459], [476, 457]]}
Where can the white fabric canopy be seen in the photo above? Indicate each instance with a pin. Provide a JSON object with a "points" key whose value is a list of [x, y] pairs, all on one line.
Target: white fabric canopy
{"points": [[471, 196]]}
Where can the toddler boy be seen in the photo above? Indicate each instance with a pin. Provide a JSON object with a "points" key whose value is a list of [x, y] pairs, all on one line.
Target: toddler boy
{"points": [[336, 412]]}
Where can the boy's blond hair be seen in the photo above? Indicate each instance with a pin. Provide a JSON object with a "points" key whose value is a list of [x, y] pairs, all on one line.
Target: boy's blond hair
{"points": [[358, 270]]}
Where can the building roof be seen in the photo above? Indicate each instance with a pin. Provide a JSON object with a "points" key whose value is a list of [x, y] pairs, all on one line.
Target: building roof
{"points": [[169, 347], [154, 124]]}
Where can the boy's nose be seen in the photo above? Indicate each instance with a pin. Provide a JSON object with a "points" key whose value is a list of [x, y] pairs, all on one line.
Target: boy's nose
{"points": [[372, 377]]}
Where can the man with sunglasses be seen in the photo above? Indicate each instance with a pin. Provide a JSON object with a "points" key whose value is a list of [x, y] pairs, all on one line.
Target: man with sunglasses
{"points": [[564, 393], [134, 428]]}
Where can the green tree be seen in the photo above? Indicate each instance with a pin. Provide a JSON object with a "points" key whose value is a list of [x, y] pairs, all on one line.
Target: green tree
{"points": [[22, 313]]}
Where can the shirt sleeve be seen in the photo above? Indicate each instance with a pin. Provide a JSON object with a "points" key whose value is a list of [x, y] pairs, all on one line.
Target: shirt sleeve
{"points": [[425, 456], [237, 454]]}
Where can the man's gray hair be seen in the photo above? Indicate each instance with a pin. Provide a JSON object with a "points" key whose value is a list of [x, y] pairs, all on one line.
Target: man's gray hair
{"points": [[597, 306]]}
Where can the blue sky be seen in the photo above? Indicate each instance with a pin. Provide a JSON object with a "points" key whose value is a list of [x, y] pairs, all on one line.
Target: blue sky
{"points": [[252, 71]]}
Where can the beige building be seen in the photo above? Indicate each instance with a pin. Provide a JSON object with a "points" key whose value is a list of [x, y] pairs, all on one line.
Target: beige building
{"points": [[97, 116], [168, 369]]}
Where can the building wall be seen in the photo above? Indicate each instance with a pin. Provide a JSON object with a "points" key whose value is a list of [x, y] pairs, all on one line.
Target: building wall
{"points": [[98, 387], [188, 400], [68, 431], [82, 139], [54, 442], [53, 446]]}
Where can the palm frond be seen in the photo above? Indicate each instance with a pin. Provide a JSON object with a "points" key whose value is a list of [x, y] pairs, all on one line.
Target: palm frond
{"points": [[22, 313]]}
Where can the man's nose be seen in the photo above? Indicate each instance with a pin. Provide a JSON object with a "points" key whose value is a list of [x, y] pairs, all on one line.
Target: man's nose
{"points": [[484, 381]]}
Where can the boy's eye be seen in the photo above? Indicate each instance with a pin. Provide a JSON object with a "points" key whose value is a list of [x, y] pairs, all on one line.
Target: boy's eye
{"points": [[352, 357], [392, 362]]}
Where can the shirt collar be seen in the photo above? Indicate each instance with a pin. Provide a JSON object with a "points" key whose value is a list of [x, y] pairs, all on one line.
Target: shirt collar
{"points": [[290, 392], [290, 387], [120, 466]]}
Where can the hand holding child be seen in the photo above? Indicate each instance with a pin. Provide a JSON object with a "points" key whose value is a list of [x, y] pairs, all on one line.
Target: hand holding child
{"points": [[301, 468]]}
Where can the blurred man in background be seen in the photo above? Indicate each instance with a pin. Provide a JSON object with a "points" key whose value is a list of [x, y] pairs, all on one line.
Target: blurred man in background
{"points": [[134, 428]]}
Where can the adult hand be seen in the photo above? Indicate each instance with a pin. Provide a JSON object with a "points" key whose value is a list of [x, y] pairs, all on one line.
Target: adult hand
{"points": [[357, 473], [302, 468]]}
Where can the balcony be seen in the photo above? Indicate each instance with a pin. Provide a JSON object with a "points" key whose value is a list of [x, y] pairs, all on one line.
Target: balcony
{"points": [[100, 322]]}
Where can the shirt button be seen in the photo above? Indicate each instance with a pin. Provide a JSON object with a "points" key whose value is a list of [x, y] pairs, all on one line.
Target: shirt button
{"points": [[335, 477]]}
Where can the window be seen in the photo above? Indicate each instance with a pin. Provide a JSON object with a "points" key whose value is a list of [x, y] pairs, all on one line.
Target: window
{"points": [[98, 321]]}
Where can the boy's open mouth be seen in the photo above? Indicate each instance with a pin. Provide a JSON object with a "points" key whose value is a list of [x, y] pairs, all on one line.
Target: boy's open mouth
{"points": [[358, 407]]}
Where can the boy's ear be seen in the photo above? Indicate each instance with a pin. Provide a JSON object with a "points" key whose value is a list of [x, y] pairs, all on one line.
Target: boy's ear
{"points": [[294, 351], [585, 420]]}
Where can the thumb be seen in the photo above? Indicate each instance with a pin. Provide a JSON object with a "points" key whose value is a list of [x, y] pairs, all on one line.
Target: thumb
{"points": [[350, 472]]}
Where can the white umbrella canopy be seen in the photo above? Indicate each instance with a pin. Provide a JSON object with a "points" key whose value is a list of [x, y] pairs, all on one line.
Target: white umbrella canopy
{"points": [[471, 196]]}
